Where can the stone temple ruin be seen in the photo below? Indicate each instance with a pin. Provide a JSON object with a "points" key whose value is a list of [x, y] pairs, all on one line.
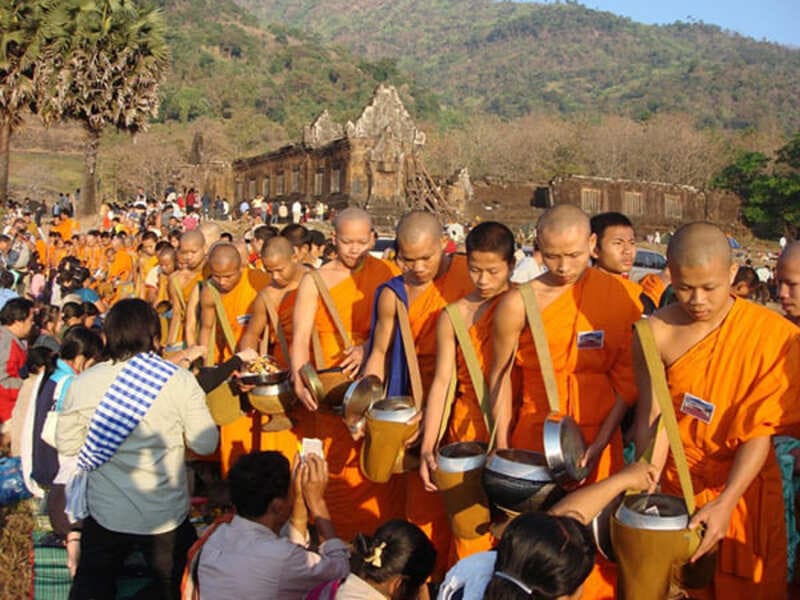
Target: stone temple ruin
{"points": [[374, 162]]}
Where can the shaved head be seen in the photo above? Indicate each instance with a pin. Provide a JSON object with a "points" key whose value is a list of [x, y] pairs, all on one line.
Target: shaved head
{"points": [[352, 215], [698, 244], [277, 247], [418, 225], [788, 276], [193, 238], [211, 233], [224, 254], [191, 249], [561, 218]]}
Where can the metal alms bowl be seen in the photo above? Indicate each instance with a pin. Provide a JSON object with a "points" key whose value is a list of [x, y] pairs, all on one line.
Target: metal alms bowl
{"points": [[564, 448], [654, 512], [601, 528], [359, 398], [460, 457], [519, 481], [396, 409]]}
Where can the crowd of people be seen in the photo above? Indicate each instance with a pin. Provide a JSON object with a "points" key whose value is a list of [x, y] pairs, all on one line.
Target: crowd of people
{"points": [[125, 351]]}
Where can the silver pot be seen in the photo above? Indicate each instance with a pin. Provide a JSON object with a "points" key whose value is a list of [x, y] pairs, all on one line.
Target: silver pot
{"points": [[397, 409], [359, 397], [461, 457], [658, 512], [564, 448]]}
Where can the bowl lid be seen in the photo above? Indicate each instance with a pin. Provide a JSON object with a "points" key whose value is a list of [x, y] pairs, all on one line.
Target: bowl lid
{"points": [[520, 464], [359, 397], [564, 448], [460, 457], [312, 381], [653, 511]]}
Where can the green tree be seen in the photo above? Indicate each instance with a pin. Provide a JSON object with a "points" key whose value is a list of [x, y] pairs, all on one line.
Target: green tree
{"points": [[771, 192], [102, 62], [19, 24]]}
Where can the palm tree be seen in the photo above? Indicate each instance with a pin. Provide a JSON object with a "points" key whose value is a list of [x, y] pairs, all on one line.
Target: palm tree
{"points": [[102, 62], [19, 24]]}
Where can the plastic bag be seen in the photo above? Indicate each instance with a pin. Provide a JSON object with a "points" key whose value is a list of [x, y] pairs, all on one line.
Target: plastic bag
{"points": [[12, 484]]}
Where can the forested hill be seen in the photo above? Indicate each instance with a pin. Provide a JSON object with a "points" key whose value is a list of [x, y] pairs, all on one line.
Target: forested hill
{"points": [[512, 57], [226, 63]]}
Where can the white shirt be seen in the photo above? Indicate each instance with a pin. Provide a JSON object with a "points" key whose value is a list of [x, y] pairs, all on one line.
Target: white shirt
{"points": [[526, 269], [246, 560], [142, 488], [471, 574]]}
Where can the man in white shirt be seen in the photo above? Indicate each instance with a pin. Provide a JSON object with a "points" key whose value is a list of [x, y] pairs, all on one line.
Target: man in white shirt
{"points": [[249, 557], [297, 211]]}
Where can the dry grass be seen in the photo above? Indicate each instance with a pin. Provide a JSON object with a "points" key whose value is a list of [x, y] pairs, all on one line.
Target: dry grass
{"points": [[16, 550]]}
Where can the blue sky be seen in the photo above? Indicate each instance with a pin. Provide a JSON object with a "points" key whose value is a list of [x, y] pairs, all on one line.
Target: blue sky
{"points": [[774, 20]]}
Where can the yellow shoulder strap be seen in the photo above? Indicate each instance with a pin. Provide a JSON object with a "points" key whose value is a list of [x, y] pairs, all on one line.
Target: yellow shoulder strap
{"points": [[534, 317], [330, 305]]}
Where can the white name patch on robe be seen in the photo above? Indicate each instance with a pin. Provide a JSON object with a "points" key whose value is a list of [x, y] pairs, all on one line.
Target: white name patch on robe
{"points": [[243, 319], [697, 408], [591, 340]]}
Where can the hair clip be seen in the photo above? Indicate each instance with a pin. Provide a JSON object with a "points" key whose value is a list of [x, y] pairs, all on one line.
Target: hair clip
{"points": [[375, 559], [515, 581]]}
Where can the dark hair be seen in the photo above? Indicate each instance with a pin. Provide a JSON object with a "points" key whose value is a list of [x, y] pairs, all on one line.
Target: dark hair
{"points": [[38, 357], [599, 223], [403, 550], [150, 235], [81, 341], [225, 235], [90, 309], [72, 310], [6, 279], [316, 237], [16, 309], [256, 479], [491, 236], [265, 233], [162, 245], [131, 327], [297, 235], [746, 275], [551, 555]]}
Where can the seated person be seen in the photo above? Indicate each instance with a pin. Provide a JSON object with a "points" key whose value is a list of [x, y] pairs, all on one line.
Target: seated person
{"points": [[546, 556], [248, 557], [394, 563]]}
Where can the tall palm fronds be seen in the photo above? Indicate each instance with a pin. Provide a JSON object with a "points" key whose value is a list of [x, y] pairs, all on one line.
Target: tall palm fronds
{"points": [[19, 49], [101, 63]]}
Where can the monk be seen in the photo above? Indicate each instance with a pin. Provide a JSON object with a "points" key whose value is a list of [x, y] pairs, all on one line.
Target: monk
{"points": [[300, 239], [430, 281], [745, 283], [238, 288], [147, 260], [285, 270], [490, 257], [587, 315], [352, 278], [167, 264], [732, 367], [121, 269], [788, 275], [191, 259], [614, 252], [212, 233]]}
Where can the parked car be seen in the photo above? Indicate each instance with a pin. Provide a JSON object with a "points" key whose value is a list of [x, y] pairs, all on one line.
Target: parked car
{"points": [[647, 261]]}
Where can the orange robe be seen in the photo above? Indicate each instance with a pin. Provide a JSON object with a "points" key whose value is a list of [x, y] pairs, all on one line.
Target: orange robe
{"points": [[420, 507], [121, 270], [466, 418], [356, 504], [287, 441], [237, 438], [588, 378], [653, 287], [748, 368], [634, 290], [179, 312], [145, 264]]}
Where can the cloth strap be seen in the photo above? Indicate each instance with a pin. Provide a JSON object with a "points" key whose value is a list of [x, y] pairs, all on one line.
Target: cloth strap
{"points": [[534, 317], [330, 305], [473, 365], [222, 321], [276, 325], [178, 293], [404, 324], [122, 407], [658, 382]]}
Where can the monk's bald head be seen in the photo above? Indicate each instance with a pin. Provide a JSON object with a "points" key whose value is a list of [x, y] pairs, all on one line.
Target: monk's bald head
{"points": [[698, 244], [277, 248], [418, 226], [788, 276], [211, 233], [193, 238], [224, 254], [352, 215], [562, 218]]}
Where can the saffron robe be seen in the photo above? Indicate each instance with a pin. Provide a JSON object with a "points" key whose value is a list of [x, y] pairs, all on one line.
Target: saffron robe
{"points": [[748, 369], [653, 287], [356, 504]]}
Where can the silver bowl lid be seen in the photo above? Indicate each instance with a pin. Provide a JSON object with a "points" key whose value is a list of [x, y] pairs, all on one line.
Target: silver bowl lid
{"points": [[397, 409], [520, 464], [653, 511], [461, 457]]}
